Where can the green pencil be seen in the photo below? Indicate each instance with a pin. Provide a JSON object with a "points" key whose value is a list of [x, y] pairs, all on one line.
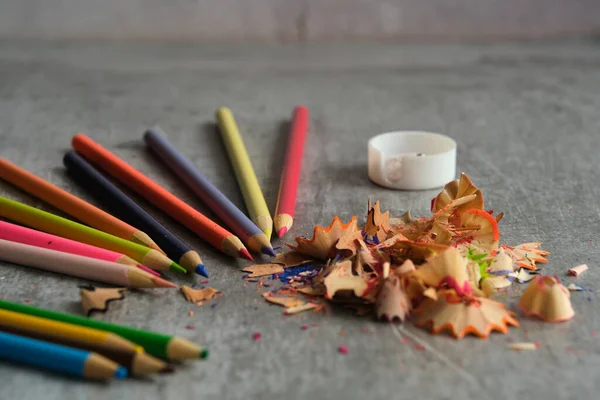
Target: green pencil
{"points": [[156, 344], [44, 221]]}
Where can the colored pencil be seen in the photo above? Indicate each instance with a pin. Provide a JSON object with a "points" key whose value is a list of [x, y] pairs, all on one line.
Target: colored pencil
{"points": [[58, 358], [72, 205], [245, 229], [244, 172], [208, 230], [20, 234], [128, 210], [79, 266], [157, 344], [63, 227], [74, 333], [290, 175], [106, 344]]}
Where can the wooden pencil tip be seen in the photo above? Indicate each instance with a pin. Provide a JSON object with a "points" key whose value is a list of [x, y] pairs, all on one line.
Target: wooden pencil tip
{"points": [[245, 254], [282, 232], [159, 282]]}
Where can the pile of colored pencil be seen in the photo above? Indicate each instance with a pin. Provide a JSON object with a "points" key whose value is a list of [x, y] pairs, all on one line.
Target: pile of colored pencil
{"points": [[84, 347], [124, 245]]}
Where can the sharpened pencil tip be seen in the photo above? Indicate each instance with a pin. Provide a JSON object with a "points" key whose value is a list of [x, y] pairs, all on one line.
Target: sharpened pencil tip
{"points": [[167, 370], [245, 254], [176, 267], [160, 282], [204, 354], [121, 373], [200, 270], [268, 251], [282, 231]]}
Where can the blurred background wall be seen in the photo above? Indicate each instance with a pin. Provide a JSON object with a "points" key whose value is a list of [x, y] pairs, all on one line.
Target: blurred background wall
{"points": [[297, 20]]}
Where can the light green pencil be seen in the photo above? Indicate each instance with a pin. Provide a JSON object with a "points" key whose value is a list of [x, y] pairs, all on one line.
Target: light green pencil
{"points": [[44, 221], [244, 173]]}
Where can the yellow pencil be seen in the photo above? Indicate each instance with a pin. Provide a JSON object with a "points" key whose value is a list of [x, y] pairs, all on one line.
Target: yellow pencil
{"points": [[64, 331], [244, 173]]}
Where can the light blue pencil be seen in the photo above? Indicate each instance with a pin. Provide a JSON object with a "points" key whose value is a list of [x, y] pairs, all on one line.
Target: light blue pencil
{"points": [[58, 358], [239, 223]]}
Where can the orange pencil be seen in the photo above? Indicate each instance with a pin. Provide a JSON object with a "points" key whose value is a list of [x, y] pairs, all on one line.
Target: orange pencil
{"points": [[72, 205], [207, 229]]}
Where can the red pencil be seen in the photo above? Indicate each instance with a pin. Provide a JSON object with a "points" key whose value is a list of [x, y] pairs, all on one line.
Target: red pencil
{"points": [[290, 176]]}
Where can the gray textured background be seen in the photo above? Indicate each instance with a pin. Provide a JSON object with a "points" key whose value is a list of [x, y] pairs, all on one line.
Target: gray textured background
{"points": [[297, 20], [525, 118]]}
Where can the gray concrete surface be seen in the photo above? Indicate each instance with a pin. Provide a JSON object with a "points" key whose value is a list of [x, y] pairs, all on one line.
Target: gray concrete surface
{"points": [[526, 120], [296, 20]]}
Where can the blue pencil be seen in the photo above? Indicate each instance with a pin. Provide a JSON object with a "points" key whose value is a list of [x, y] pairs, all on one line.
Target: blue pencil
{"points": [[239, 223], [126, 209], [58, 358]]}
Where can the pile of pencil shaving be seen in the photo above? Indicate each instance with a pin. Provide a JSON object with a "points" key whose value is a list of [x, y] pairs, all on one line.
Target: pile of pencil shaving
{"points": [[440, 269]]}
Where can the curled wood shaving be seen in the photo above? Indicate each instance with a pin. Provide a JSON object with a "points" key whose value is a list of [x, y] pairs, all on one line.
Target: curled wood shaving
{"points": [[198, 295], [392, 301], [478, 316], [547, 299], [97, 299], [322, 244], [292, 259], [300, 308], [342, 278], [578, 270], [258, 270], [282, 301]]}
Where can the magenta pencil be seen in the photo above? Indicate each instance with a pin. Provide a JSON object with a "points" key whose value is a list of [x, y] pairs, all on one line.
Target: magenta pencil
{"points": [[20, 234]]}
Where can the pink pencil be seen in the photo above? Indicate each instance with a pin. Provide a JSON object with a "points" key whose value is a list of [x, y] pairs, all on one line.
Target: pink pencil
{"points": [[20, 234]]}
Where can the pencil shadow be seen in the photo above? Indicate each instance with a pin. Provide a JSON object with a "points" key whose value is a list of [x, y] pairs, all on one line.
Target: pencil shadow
{"points": [[356, 176], [278, 153], [209, 136]]}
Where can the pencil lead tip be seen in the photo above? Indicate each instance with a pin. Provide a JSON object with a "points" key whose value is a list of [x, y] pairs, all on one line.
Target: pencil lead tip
{"points": [[166, 370], [268, 251], [245, 254], [204, 354], [176, 267], [201, 270], [121, 373], [282, 231]]}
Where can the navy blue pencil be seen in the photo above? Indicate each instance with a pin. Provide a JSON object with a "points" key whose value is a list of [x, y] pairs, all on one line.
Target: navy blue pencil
{"points": [[239, 223], [126, 209]]}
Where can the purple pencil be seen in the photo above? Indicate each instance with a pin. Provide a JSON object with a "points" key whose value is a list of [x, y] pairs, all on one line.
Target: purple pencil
{"points": [[239, 223]]}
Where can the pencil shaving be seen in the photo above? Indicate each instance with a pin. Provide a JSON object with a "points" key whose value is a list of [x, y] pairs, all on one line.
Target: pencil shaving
{"points": [[282, 301], [378, 223], [300, 308], [520, 346], [392, 301], [198, 295], [258, 270], [461, 316], [323, 242], [578, 270], [443, 266], [97, 299], [292, 259], [547, 299]]}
